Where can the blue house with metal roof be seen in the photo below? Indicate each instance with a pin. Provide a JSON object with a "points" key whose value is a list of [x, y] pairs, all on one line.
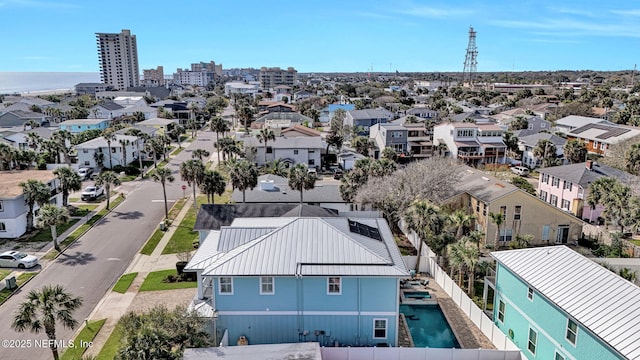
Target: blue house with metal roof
{"points": [[557, 304], [334, 280]]}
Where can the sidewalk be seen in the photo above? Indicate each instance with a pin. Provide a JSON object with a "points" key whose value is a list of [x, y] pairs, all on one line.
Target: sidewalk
{"points": [[113, 305]]}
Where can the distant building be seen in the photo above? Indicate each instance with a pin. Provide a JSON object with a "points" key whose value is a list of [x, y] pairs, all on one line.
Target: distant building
{"points": [[598, 138], [76, 126], [366, 118], [389, 135], [153, 77], [272, 77], [118, 54], [200, 74], [95, 153], [505, 88], [528, 143], [20, 118], [91, 88]]}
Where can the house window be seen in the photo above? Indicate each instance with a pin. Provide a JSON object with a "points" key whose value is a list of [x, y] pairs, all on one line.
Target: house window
{"points": [[595, 144], [572, 331], [533, 341], [113, 150], [545, 178], [530, 294], [553, 200], [484, 209], [506, 234], [295, 152], [312, 162], [1, 205], [501, 308], [603, 146], [379, 328], [398, 147], [565, 204], [334, 286], [477, 206], [225, 286], [555, 182], [3, 227], [545, 232], [85, 151], [86, 163], [269, 150], [567, 185], [266, 285], [396, 134], [559, 356], [543, 196], [517, 212], [503, 211]]}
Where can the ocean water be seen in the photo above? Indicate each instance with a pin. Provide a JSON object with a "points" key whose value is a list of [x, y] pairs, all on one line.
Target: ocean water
{"points": [[34, 82]]}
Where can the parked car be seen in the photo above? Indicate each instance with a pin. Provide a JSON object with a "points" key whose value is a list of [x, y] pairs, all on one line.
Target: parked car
{"points": [[520, 170], [85, 173], [92, 192], [337, 174], [17, 259]]}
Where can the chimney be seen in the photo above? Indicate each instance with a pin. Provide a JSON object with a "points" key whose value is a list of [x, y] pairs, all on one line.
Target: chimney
{"points": [[589, 165]]}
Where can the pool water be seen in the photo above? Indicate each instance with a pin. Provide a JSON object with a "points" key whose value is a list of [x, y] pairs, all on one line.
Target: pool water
{"points": [[417, 295], [428, 326]]}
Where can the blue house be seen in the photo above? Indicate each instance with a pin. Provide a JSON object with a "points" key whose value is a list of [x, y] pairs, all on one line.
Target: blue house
{"points": [[366, 118], [557, 304], [269, 280], [80, 125]]}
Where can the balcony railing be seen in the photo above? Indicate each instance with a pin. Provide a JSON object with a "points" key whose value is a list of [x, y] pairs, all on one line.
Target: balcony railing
{"points": [[470, 154]]}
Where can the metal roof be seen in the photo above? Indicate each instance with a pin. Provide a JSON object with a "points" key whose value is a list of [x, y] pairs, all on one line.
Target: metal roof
{"points": [[597, 298], [309, 246]]}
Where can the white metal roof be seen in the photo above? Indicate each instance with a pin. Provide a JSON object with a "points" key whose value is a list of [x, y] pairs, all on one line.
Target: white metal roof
{"points": [[306, 246], [603, 302]]}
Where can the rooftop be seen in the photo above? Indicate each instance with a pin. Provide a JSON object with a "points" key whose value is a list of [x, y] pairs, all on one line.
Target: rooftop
{"points": [[483, 186], [275, 189], [579, 174], [84, 121], [10, 181]]}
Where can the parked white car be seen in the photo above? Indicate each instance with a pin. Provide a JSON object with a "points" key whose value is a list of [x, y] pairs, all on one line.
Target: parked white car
{"points": [[92, 192], [84, 173], [17, 259], [520, 170]]}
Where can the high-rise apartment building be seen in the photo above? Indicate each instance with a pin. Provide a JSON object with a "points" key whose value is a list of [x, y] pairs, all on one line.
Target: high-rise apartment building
{"points": [[272, 77], [153, 77], [118, 54]]}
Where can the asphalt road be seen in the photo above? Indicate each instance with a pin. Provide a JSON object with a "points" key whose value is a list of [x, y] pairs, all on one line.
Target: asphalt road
{"points": [[91, 266]]}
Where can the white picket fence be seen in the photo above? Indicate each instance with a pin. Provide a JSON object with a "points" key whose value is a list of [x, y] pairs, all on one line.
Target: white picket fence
{"points": [[478, 317], [375, 353]]}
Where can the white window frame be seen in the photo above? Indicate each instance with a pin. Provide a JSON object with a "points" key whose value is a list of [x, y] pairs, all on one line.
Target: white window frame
{"points": [[535, 345], [501, 312], [329, 284], [567, 329], [530, 293], [220, 285], [386, 328], [558, 356], [263, 283], [3, 226]]}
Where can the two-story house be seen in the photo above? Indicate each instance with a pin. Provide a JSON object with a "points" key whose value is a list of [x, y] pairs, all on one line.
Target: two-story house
{"points": [[527, 144], [557, 304], [480, 194], [473, 143], [389, 135], [334, 280], [364, 119], [13, 209], [291, 150], [21, 117], [567, 186], [79, 125], [598, 138], [106, 110], [95, 153]]}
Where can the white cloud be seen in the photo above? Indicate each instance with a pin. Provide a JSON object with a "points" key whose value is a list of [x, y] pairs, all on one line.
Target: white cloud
{"points": [[434, 12], [36, 4], [569, 27]]}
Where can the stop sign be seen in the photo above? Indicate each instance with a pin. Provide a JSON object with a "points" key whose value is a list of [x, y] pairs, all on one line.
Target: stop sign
{"points": [[184, 187]]}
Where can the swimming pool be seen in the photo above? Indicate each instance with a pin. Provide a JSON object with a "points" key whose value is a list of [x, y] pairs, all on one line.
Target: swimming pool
{"points": [[417, 294], [428, 326]]}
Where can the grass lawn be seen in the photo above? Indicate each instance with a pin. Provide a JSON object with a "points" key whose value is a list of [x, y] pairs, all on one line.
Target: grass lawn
{"points": [[21, 279], [44, 235], [151, 244], [177, 151], [124, 282], [635, 242], [73, 199], [4, 274], [127, 178], [86, 336], [155, 281], [111, 347], [175, 209]]}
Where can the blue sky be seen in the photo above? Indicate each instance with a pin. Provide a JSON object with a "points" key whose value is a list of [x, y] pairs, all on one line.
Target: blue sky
{"points": [[326, 35]]}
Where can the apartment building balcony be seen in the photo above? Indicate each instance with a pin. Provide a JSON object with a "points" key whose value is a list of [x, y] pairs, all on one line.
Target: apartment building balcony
{"points": [[470, 154]]}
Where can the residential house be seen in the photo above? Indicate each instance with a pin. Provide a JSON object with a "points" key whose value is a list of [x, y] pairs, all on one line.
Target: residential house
{"points": [[110, 95], [280, 120], [480, 194], [13, 209], [291, 150], [389, 135], [598, 138], [299, 130], [419, 139], [302, 95], [158, 123], [21, 117], [79, 125], [267, 283], [567, 187], [423, 113], [179, 109], [568, 123], [535, 124], [95, 153], [106, 110], [91, 88], [275, 189], [18, 137], [527, 144], [347, 159], [142, 108], [364, 119], [231, 88], [327, 113], [473, 143], [555, 303]]}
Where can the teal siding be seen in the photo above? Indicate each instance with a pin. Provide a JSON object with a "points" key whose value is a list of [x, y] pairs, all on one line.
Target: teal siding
{"points": [[544, 317]]}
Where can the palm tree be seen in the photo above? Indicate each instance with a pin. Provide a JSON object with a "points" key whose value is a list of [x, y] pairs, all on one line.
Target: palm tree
{"points": [[598, 191], [199, 154], [62, 138], [228, 146], [456, 259], [424, 218], [212, 184], [163, 175], [219, 125], [470, 258], [265, 135], [545, 150], [107, 179], [362, 145], [632, 159], [123, 143], [176, 132], [461, 220], [276, 167], [575, 151], [35, 192], [301, 179], [140, 137], [69, 181], [52, 216], [192, 172], [498, 219], [522, 241], [43, 309], [34, 140], [109, 135], [244, 175]]}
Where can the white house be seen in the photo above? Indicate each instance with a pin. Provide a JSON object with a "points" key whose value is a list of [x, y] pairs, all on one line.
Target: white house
{"points": [[473, 143], [291, 150], [526, 144], [95, 153]]}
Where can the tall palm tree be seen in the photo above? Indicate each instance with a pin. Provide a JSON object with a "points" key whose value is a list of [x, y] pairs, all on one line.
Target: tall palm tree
{"points": [[199, 154], [63, 139], [632, 159], [8, 154], [470, 257], [575, 151], [140, 137], [424, 218], [212, 184], [498, 219], [108, 179], [545, 150], [163, 176], [28, 157], [461, 220], [43, 308], [275, 167], [192, 172], [265, 135], [177, 132], [244, 175], [69, 181], [219, 126], [123, 144], [301, 179], [456, 260], [52, 216], [229, 147], [35, 192], [34, 140], [110, 136]]}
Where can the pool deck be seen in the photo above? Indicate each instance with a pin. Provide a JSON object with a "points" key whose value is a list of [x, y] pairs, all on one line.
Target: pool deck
{"points": [[466, 332]]}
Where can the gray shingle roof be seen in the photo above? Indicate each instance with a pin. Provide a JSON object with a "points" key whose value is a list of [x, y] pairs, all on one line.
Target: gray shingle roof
{"points": [[110, 105], [579, 174], [364, 114], [533, 139]]}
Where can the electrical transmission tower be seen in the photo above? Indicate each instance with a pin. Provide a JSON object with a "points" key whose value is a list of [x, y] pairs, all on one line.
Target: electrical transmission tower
{"points": [[471, 61]]}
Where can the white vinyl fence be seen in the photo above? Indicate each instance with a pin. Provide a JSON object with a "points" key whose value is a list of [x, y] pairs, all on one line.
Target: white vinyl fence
{"points": [[379, 353]]}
